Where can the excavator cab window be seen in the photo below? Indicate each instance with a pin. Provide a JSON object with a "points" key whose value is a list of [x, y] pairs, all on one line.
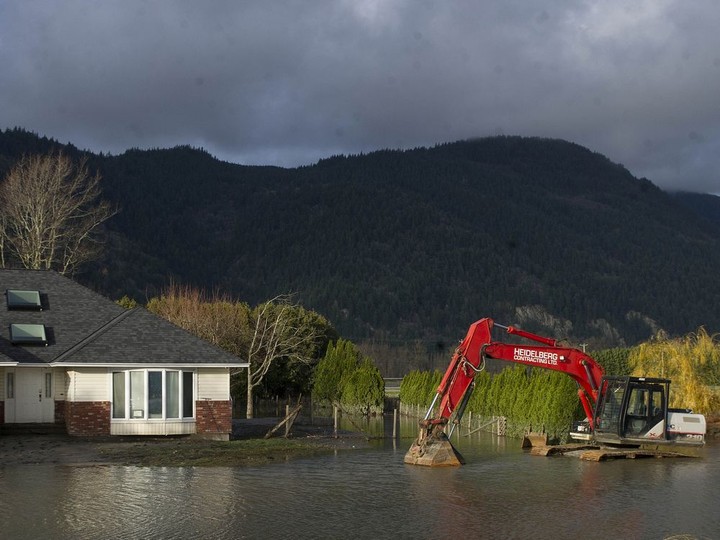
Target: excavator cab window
{"points": [[630, 407], [636, 418], [646, 407], [610, 406]]}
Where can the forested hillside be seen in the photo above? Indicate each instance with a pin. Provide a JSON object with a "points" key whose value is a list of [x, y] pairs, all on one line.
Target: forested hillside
{"points": [[411, 246], [707, 206]]}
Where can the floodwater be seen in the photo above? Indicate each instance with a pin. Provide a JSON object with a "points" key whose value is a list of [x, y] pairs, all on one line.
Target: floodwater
{"points": [[502, 492]]}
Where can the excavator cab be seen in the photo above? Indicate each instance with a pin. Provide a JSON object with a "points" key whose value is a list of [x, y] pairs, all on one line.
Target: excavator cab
{"points": [[631, 410]]}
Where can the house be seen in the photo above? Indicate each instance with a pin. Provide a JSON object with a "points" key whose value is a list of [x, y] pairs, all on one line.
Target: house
{"points": [[72, 357]]}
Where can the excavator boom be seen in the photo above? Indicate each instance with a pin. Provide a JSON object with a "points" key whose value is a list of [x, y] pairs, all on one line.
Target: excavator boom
{"points": [[478, 345]]}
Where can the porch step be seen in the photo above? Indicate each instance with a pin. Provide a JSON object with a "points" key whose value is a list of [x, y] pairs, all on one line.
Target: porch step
{"points": [[32, 429]]}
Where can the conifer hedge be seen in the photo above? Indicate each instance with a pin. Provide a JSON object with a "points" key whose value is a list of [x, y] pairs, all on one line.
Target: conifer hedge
{"points": [[529, 398], [419, 387], [614, 361]]}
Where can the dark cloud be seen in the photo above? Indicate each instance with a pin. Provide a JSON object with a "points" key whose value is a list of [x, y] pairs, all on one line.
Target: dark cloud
{"points": [[289, 82]]}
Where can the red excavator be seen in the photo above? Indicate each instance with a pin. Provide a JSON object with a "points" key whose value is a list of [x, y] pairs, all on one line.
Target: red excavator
{"points": [[629, 412]]}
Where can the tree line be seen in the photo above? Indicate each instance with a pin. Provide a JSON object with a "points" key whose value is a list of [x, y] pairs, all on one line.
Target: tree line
{"points": [[291, 351], [281, 340]]}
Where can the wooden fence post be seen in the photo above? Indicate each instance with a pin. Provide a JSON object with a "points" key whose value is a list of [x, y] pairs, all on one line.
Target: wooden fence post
{"points": [[335, 421], [287, 425]]}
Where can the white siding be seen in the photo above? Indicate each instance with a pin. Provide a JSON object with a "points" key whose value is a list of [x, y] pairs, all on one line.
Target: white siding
{"points": [[213, 384], [2, 383], [88, 384], [59, 384]]}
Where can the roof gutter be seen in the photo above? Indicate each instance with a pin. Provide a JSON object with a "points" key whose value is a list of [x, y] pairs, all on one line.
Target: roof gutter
{"points": [[131, 365]]}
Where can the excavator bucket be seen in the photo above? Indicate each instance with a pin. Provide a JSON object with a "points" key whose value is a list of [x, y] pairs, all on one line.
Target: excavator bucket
{"points": [[533, 439], [434, 450]]}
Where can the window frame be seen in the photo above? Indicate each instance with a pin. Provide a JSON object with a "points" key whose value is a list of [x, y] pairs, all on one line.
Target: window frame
{"points": [[131, 409]]}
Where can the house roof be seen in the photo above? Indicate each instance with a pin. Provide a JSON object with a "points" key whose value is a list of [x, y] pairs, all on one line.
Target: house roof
{"points": [[85, 328]]}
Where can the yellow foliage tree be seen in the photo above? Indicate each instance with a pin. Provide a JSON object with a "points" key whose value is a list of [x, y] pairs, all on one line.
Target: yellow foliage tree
{"points": [[692, 363], [216, 319]]}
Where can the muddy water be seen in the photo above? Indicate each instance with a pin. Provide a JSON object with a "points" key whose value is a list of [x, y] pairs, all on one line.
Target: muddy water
{"points": [[369, 493]]}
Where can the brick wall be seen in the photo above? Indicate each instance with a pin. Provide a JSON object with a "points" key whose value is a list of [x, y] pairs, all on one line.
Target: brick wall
{"points": [[59, 412], [213, 417], [87, 418]]}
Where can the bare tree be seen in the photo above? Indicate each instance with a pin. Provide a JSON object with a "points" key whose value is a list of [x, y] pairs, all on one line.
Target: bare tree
{"points": [[278, 333], [3, 220], [50, 211]]}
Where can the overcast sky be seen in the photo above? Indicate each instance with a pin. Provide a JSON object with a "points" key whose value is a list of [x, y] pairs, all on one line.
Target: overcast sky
{"points": [[289, 82]]}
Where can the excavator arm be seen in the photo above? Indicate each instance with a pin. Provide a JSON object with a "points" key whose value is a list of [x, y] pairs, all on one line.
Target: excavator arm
{"points": [[457, 382]]}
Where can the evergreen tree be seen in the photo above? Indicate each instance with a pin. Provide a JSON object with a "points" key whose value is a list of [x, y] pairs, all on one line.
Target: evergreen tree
{"points": [[332, 373], [364, 390]]}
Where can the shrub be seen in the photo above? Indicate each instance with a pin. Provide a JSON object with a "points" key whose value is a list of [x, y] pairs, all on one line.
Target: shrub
{"points": [[345, 378]]}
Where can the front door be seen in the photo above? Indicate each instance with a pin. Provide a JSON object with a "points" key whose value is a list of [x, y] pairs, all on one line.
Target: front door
{"points": [[33, 396]]}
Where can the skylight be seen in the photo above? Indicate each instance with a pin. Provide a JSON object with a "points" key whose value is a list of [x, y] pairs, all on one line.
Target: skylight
{"points": [[19, 299], [28, 334]]}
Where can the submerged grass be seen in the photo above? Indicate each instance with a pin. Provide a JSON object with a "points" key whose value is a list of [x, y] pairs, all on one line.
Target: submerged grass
{"points": [[204, 453]]}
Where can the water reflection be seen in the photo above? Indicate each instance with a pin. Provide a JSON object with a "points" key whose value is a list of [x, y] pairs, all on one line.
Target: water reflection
{"points": [[502, 492]]}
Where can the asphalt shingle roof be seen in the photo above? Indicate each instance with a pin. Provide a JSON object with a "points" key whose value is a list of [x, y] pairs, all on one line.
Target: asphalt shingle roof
{"points": [[86, 328]]}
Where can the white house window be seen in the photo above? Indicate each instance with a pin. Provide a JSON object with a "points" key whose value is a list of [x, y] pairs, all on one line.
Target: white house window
{"points": [[118, 394], [187, 398], [138, 405], [10, 385], [152, 394], [172, 397]]}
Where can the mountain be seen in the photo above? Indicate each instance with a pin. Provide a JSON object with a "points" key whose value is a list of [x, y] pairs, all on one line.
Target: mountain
{"points": [[402, 246], [707, 206]]}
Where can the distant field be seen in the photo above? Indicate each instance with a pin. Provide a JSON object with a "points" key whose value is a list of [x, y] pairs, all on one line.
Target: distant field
{"points": [[392, 387]]}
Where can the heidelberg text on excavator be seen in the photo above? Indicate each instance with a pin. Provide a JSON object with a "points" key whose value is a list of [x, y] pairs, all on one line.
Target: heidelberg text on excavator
{"points": [[624, 412]]}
